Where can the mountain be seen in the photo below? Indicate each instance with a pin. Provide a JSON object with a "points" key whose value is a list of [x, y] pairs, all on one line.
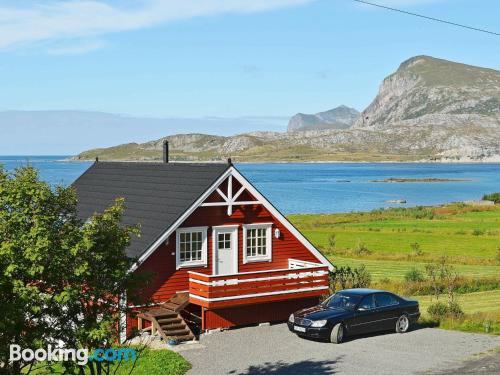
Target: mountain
{"points": [[341, 117], [425, 90], [429, 109]]}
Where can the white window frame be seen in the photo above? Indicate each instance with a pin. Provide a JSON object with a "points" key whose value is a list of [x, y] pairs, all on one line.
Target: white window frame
{"points": [[199, 263], [269, 243]]}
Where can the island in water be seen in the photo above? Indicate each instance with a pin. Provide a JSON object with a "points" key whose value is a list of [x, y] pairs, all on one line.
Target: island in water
{"points": [[425, 179]]}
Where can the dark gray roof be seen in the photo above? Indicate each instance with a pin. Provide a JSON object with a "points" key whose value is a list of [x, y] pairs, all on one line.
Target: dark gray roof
{"points": [[156, 194]]}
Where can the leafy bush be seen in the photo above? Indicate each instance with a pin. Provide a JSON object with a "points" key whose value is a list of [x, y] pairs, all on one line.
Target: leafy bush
{"points": [[454, 310], [415, 249], [347, 277], [441, 310], [332, 241], [414, 275], [361, 249], [437, 310], [477, 232], [362, 278], [495, 197]]}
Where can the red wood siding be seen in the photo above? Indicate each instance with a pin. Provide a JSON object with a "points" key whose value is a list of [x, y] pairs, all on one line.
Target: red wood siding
{"points": [[168, 280], [258, 313]]}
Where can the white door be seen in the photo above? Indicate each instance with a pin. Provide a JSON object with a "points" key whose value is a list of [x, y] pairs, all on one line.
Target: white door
{"points": [[225, 255]]}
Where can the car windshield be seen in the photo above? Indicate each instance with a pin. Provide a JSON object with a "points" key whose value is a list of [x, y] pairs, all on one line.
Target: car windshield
{"points": [[342, 301]]}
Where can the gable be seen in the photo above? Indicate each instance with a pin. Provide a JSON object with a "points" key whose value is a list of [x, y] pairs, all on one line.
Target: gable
{"points": [[232, 191]]}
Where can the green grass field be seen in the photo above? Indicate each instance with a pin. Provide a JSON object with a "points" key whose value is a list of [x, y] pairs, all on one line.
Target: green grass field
{"points": [[480, 302], [468, 236]]}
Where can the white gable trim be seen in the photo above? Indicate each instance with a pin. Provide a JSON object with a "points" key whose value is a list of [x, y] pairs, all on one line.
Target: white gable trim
{"points": [[244, 182], [233, 172]]}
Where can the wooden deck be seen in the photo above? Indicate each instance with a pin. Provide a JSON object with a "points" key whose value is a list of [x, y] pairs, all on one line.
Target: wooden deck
{"points": [[298, 281]]}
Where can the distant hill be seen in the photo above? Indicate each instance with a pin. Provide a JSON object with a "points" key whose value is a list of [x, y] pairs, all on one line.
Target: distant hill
{"points": [[429, 109], [341, 117]]}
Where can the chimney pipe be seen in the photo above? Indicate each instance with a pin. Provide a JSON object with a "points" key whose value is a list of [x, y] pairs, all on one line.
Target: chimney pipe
{"points": [[165, 151]]}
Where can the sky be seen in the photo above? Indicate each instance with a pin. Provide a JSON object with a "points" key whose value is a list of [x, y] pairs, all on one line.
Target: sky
{"points": [[223, 58]]}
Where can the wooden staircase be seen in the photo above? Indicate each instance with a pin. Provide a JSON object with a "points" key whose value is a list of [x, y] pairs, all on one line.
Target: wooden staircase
{"points": [[166, 320]]}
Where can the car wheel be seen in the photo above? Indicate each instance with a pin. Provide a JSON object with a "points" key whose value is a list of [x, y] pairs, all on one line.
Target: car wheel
{"points": [[337, 334], [403, 324]]}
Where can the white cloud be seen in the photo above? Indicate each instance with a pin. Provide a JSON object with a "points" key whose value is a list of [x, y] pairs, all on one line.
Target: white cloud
{"points": [[58, 20]]}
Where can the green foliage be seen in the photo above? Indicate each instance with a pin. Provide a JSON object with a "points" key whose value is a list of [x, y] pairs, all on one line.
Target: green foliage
{"points": [[440, 310], [347, 277], [416, 251], [495, 197], [332, 241], [478, 322], [425, 286], [361, 249], [414, 275], [437, 310], [60, 279], [477, 232], [443, 274], [161, 362]]}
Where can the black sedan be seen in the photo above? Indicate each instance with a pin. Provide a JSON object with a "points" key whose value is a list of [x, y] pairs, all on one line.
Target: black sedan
{"points": [[352, 312]]}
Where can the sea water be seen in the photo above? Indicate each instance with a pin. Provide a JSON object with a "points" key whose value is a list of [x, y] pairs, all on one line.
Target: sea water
{"points": [[327, 187]]}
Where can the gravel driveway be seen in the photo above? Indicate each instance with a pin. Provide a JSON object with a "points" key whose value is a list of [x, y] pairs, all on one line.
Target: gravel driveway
{"points": [[274, 350]]}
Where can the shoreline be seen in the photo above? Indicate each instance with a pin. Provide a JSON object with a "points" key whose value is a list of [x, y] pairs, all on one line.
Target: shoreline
{"points": [[70, 160]]}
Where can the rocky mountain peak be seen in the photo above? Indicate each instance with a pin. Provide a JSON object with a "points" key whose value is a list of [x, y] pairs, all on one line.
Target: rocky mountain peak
{"points": [[427, 90], [341, 117]]}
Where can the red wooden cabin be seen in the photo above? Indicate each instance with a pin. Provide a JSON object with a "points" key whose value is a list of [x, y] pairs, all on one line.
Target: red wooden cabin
{"points": [[222, 254]]}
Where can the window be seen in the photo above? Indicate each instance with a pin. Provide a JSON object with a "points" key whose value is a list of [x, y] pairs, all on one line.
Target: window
{"points": [[342, 301], [224, 241], [191, 249], [367, 303], [257, 242], [385, 299]]}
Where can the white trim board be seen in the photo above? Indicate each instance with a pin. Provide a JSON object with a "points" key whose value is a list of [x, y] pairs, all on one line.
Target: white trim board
{"points": [[243, 296], [234, 173]]}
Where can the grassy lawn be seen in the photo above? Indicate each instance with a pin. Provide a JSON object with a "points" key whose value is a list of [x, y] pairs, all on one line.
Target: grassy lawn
{"points": [[468, 236], [471, 235], [482, 312], [480, 302], [157, 362]]}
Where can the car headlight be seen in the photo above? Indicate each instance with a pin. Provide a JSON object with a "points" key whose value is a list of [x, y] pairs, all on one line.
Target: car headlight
{"points": [[291, 319], [319, 323]]}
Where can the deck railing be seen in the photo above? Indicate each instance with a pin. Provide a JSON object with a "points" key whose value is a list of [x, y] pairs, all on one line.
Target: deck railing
{"points": [[300, 280]]}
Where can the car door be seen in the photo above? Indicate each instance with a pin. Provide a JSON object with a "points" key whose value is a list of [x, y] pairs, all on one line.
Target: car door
{"points": [[387, 307], [364, 316]]}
